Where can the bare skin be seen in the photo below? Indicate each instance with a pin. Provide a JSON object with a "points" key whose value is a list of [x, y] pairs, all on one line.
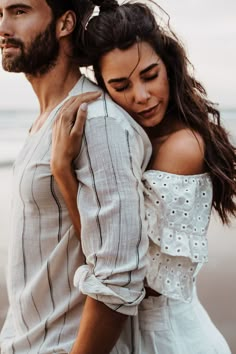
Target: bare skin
{"points": [[98, 319]]}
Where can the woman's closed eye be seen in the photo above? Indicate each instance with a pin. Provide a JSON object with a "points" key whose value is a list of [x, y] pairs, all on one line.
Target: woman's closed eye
{"points": [[122, 88], [126, 85], [150, 77]]}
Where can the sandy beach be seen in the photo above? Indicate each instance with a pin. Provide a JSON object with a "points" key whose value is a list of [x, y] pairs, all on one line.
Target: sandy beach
{"points": [[216, 282], [5, 183]]}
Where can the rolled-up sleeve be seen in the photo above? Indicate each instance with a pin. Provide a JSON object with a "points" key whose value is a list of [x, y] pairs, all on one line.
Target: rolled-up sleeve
{"points": [[111, 204]]}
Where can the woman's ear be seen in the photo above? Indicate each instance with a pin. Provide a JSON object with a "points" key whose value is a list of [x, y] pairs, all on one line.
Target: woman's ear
{"points": [[66, 24]]}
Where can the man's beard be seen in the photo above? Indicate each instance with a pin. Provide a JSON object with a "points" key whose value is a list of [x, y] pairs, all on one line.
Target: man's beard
{"points": [[38, 58]]}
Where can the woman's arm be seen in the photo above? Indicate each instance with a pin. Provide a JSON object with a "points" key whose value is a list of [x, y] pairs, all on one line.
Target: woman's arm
{"points": [[66, 142], [99, 330]]}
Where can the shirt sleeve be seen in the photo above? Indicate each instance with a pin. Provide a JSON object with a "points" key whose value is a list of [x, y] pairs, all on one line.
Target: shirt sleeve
{"points": [[111, 204]]}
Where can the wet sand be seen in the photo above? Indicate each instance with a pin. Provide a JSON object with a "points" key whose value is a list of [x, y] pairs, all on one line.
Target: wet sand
{"points": [[216, 281]]}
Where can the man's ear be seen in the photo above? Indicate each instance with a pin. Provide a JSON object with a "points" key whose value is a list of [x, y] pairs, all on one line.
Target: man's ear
{"points": [[66, 24]]}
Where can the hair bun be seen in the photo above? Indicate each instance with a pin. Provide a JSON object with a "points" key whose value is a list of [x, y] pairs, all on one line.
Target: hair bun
{"points": [[106, 5]]}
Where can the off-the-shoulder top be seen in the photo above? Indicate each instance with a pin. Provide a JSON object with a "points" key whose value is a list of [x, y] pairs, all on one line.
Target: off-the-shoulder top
{"points": [[178, 211]]}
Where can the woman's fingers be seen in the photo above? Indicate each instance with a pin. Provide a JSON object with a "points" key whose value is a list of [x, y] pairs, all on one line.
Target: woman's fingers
{"points": [[79, 122], [68, 113], [68, 129], [72, 105]]}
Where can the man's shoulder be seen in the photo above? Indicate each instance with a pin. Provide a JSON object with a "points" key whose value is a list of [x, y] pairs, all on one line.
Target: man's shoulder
{"points": [[105, 112], [104, 107]]}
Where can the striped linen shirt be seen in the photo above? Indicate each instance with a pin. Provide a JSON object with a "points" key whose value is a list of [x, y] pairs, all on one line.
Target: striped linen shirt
{"points": [[48, 274]]}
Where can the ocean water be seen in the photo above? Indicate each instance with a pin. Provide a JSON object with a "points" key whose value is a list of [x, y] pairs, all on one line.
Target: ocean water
{"points": [[14, 127]]}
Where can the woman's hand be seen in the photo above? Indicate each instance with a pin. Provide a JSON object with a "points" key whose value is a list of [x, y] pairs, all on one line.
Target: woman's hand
{"points": [[68, 131], [66, 143]]}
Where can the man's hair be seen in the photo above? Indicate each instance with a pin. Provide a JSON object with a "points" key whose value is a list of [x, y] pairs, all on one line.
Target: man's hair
{"points": [[59, 7], [82, 10]]}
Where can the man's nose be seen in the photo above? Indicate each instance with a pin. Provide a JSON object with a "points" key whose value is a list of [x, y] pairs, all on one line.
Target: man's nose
{"points": [[6, 29]]}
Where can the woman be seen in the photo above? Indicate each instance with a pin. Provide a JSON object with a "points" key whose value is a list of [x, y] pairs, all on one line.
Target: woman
{"points": [[144, 68]]}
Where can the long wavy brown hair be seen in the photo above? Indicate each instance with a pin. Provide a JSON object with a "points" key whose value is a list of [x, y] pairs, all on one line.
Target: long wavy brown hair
{"points": [[121, 27]]}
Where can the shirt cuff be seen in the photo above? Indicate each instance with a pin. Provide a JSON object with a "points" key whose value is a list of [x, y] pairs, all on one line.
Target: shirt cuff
{"points": [[117, 298]]}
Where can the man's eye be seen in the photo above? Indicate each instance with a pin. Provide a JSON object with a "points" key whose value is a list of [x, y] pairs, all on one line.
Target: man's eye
{"points": [[19, 12]]}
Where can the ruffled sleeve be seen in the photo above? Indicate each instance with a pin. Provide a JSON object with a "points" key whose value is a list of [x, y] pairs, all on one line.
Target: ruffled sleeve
{"points": [[178, 211]]}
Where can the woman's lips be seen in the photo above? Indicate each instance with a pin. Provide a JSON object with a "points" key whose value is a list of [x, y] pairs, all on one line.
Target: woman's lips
{"points": [[148, 112]]}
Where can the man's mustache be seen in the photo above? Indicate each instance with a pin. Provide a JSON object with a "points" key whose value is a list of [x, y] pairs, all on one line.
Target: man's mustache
{"points": [[10, 41]]}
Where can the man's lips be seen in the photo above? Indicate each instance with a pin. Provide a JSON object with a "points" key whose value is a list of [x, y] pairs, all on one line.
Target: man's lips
{"points": [[9, 49], [4, 43], [6, 46]]}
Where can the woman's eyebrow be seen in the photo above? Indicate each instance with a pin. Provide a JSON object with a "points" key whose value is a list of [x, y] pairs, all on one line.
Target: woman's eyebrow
{"points": [[118, 79], [150, 67], [121, 79]]}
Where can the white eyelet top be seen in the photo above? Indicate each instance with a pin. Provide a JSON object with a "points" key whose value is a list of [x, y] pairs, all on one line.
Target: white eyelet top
{"points": [[178, 211]]}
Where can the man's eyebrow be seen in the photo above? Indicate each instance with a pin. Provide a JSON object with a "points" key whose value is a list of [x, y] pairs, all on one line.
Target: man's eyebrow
{"points": [[121, 79], [18, 5]]}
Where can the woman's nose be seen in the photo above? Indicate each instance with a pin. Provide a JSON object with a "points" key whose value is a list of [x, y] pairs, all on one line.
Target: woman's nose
{"points": [[141, 94]]}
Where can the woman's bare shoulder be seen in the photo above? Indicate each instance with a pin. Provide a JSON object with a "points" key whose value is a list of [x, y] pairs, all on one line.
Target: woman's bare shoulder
{"points": [[181, 153]]}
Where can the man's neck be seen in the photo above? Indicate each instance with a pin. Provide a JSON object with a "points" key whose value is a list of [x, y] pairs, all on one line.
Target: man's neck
{"points": [[52, 87]]}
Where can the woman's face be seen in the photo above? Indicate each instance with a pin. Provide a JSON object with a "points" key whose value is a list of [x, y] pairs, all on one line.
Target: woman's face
{"points": [[136, 79]]}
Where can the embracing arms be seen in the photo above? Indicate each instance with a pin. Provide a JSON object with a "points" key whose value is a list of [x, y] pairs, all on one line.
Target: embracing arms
{"points": [[66, 143]]}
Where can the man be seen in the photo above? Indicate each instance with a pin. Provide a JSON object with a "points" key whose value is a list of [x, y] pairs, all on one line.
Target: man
{"points": [[45, 312]]}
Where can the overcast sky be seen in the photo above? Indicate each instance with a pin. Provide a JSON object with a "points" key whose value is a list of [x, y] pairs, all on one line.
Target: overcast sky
{"points": [[208, 30]]}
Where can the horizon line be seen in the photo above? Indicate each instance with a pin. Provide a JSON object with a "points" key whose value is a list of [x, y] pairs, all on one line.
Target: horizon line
{"points": [[35, 109]]}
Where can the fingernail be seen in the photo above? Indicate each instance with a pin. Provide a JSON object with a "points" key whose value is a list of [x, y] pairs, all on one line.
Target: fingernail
{"points": [[84, 106]]}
